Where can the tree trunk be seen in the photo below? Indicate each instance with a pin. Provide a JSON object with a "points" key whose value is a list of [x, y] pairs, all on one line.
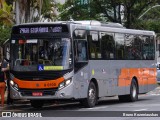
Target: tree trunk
{"points": [[128, 17], [17, 12], [27, 11], [119, 14], [115, 14]]}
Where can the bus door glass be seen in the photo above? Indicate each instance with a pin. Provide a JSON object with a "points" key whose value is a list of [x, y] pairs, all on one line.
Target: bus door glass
{"points": [[80, 48]]}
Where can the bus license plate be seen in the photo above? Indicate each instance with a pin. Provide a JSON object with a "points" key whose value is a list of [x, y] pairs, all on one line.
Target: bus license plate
{"points": [[37, 94]]}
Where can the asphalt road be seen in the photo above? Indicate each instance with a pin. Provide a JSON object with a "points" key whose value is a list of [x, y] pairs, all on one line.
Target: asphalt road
{"points": [[110, 107]]}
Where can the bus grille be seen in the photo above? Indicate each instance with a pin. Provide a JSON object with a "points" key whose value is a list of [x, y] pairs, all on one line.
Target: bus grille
{"points": [[36, 77]]}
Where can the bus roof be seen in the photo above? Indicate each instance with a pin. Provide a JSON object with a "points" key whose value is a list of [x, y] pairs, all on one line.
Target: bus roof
{"points": [[122, 30], [112, 27], [96, 25], [85, 22]]}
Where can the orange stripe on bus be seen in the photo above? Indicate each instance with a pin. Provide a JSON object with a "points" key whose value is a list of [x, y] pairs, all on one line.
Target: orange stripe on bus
{"points": [[38, 84], [144, 76]]}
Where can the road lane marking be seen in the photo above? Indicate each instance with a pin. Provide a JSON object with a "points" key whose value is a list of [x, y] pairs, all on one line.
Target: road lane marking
{"points": [[97, 108], [141, 110]]}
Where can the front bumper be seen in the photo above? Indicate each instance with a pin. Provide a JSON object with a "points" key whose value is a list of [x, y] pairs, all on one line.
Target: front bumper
{"points": [[65, 93]]}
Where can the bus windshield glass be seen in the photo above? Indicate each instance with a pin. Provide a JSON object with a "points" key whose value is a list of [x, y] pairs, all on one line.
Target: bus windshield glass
{"points": [[41, 54]]}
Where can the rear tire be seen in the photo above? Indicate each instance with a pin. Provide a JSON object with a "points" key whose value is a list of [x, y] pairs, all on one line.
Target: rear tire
{"points": [[133, 96], [91, 99], [133, 92], [37, 103]]}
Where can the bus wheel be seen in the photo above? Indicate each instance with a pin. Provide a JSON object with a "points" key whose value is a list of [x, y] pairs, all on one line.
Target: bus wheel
{"points": [[133, 92], [91, 99], [37, 103], [133, 96]]}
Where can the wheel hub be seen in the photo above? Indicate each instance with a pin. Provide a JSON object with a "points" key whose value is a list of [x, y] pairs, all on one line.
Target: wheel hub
{"points": [[134, 93], [92, 95]]}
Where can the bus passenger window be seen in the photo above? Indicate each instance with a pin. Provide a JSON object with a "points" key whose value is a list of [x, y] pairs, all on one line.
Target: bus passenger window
{"points": [[94, 45], [107, 45], [120, 45], [148, 48]]}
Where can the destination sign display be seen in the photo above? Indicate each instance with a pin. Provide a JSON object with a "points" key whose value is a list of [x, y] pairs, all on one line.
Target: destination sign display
{"points": [[39, 29]]}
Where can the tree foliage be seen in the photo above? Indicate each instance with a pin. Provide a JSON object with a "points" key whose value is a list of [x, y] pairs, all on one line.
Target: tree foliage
{"points": [[73, 9], [6, 20], [5, 33], [6, 16], [134, 8], [150, 20], [121, 11], [48, 9], [29, 11]]}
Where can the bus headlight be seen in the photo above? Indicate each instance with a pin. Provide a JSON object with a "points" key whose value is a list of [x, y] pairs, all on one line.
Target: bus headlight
{"points": [[14, 85], [64, 84]]}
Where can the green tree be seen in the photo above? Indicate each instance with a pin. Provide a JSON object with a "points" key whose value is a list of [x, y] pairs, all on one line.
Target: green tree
{"points": [[6, 17], [6, 21], [121, 11], [150, 20], [134, 8], [33, 10], [5, 33], [75, 10]]}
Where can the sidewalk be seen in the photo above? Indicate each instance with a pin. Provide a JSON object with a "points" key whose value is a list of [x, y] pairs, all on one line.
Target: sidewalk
{"points": [[155, 91]]}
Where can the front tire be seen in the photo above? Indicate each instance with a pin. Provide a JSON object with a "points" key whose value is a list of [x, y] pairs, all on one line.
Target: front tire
{"points": [[37, 103], [91, 99]]}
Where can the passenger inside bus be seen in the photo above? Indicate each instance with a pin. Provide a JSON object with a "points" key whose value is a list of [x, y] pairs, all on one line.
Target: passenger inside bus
{"points": [[43, 54], [81, 51], [34, 54]]}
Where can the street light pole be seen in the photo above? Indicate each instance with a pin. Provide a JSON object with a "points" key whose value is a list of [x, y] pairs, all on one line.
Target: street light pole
{"points": [[148, 10]]}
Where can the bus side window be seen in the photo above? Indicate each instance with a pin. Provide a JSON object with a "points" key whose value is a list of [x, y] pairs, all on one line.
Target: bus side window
{"points": [[107, 45], [94, 45], [148, 48], [120, 46]]}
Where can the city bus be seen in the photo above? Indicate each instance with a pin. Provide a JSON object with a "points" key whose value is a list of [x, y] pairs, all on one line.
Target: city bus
{"points": [[81, 61]]}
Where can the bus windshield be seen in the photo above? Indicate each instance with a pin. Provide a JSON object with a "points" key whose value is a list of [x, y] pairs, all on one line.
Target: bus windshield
{"points": [[41, 54]]}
